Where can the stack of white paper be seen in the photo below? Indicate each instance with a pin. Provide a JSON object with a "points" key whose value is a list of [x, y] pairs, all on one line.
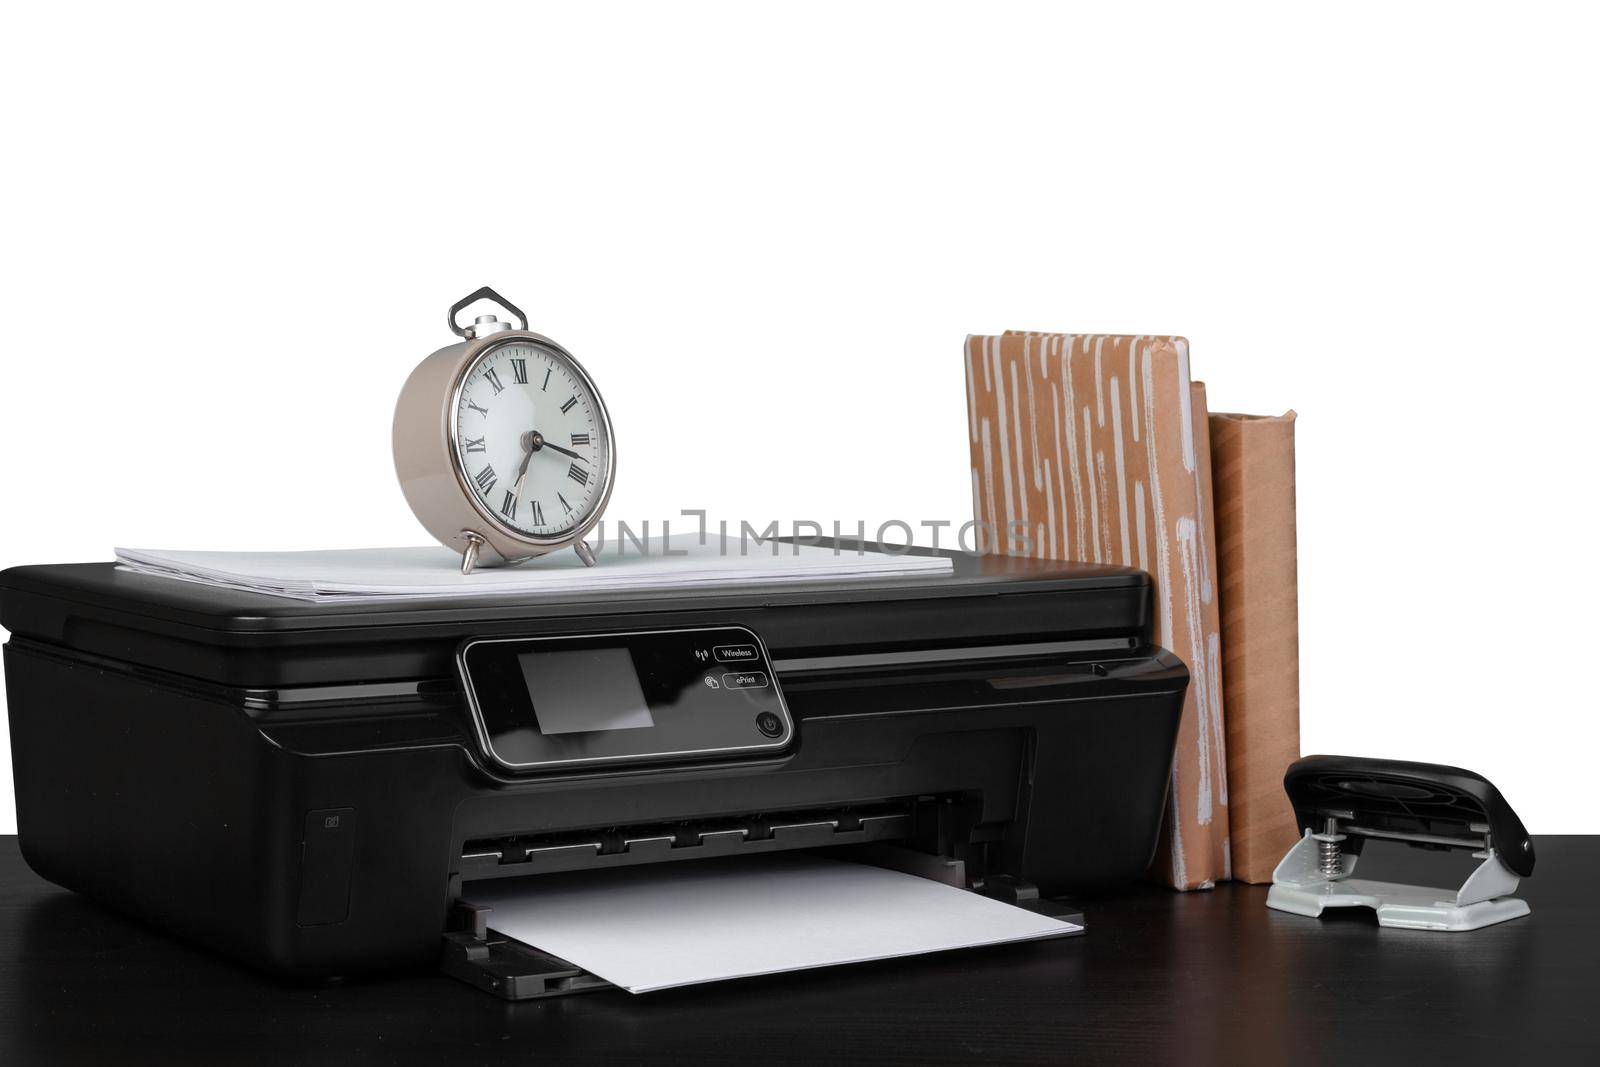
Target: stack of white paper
{"points": [[364, 574], [648, 928]]}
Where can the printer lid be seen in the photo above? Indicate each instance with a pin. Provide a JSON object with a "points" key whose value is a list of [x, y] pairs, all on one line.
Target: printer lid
{"points": [[253, 639]]}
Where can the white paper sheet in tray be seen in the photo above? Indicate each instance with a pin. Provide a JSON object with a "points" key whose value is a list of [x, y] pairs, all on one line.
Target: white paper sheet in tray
{"points": [[676, 924], [359, 574]]}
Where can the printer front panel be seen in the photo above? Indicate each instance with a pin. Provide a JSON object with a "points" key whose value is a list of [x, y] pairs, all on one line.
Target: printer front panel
{"points": [[612, 699]]}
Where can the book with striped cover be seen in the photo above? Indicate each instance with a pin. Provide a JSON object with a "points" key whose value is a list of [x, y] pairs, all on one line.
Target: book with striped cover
{"points": [[1096, 448]]}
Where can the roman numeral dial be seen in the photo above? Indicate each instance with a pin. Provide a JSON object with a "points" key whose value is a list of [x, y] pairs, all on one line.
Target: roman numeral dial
{"points": [[531, 440]]}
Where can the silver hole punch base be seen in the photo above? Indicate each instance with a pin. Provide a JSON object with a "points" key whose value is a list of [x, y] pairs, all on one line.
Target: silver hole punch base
{"points": [[1343, 801]]}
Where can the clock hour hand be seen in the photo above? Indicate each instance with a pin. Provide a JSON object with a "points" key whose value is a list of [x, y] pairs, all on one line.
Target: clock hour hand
{"points": [[530, 446]]}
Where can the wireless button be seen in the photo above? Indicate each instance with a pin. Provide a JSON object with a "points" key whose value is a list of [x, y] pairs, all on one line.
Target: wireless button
{"points": [[736, 653]]}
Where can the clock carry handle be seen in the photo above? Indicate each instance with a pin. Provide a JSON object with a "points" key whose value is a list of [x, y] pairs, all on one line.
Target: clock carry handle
{"points": [[485, 293]]}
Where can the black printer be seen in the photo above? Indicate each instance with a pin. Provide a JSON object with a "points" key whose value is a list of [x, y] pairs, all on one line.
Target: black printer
{"points": [[309, 787]]}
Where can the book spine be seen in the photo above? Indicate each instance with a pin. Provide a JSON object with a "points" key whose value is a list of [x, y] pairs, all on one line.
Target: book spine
{"points": [[1253, 474]]}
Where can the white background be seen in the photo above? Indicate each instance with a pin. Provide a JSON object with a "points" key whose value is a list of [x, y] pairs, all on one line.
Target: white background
{"points": [[229, 233]]}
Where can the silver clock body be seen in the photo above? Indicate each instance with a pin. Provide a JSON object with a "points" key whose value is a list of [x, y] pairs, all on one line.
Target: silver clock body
{"points": [[447, 492]]}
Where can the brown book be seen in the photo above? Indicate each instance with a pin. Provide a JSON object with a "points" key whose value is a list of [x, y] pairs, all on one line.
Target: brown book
{"points": [[1252, 463], [1094, 448]]}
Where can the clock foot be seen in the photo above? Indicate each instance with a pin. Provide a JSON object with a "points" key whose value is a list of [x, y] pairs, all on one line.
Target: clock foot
{"points": [[469, 558], [585, 553]]}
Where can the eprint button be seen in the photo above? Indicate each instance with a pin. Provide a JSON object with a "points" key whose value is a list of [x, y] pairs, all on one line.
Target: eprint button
{"points": [[736, 653], [747, 680]]}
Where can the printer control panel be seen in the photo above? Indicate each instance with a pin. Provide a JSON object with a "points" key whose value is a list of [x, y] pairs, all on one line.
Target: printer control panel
{"points": [[583, 701]]}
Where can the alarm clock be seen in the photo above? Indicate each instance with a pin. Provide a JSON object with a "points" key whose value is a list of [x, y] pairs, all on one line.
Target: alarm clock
{"points": [[502, 443]]}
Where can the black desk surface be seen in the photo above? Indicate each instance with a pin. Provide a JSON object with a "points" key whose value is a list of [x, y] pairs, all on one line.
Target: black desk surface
{"points": [[1160, 976]]}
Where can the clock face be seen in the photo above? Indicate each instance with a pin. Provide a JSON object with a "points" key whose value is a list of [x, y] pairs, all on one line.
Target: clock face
{"points": [[532, 440]]}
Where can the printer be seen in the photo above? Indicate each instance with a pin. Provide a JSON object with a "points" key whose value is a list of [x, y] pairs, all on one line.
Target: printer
{"points": [[314, 788]]}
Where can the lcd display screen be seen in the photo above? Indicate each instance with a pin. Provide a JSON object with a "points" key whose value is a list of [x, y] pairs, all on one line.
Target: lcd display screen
{"points": [[584, 690]]}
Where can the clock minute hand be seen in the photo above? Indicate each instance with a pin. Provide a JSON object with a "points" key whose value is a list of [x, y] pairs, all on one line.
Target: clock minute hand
{"points": [[539, 442]]}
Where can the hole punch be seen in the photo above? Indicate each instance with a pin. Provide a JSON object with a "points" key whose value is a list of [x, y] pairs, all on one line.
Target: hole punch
{"points": [[1343, 801]]}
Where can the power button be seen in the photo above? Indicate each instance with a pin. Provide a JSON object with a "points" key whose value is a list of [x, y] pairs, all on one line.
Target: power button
{"points": [[769, 724]]}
